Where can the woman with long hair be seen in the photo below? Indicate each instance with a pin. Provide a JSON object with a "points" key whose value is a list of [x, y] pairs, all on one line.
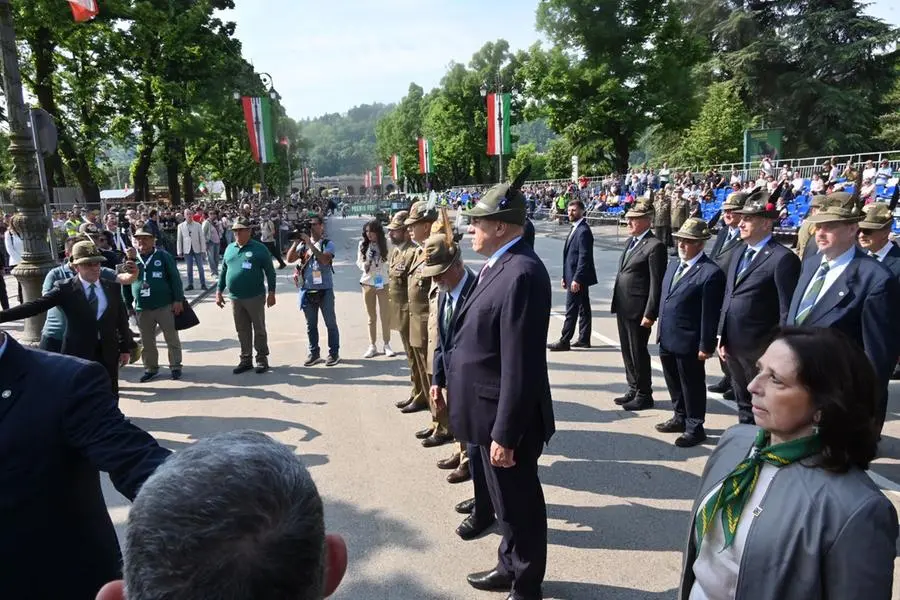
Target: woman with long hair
{"points": [[12, 239], [372, 260]]}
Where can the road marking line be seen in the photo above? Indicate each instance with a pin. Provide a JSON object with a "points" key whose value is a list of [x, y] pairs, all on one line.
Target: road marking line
{"points": [[880, 480]]}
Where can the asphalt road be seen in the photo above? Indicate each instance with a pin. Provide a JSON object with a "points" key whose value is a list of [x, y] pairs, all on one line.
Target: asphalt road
{"points": [[618, 492]]}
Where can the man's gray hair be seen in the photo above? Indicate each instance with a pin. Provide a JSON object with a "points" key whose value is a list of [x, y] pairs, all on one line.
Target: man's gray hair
{"points": [[235, 516]]}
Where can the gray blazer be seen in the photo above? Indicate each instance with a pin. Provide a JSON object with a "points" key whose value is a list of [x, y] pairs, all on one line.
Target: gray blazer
{"points": [[817, 535]]}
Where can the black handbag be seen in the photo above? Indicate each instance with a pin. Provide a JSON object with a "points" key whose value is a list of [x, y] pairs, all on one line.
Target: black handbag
{"points": [[187, 318]]}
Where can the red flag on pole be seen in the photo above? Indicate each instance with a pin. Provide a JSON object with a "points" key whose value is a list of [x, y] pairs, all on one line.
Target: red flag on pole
{"points": [[380, 172], [84, 10]]}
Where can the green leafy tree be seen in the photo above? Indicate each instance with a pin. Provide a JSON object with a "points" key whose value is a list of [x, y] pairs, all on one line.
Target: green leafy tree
{"points": [[527, 155], [558, 159], [716, 135]]}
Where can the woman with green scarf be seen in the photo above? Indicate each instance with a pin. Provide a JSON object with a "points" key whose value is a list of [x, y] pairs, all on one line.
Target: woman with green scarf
{"points": [[785, 509]]}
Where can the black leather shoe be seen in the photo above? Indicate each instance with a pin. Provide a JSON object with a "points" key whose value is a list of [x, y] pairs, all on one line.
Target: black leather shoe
{"points": [[558, 346], [465, 507], [688, 441], [403, 403], [424, 433], [460, 474], [720, 387], [242, 368], [449, 463], [673, 425], [728, 394], [412, 407], [176, 374], [148, 375], [262, 367], [639, 403], [471, 528], [491, 581], [581, 344], [624, 399], [437, 439]]}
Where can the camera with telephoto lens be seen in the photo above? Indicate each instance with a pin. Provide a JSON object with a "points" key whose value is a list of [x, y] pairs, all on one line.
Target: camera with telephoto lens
{"points": [[301, 227]]}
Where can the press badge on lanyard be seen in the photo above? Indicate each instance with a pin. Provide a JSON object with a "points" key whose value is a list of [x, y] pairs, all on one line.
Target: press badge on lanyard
{"points": [[378, 281], [145, 287]]}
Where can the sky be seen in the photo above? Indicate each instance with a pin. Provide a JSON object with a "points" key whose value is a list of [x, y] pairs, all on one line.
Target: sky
{"points": [[329, 56]]}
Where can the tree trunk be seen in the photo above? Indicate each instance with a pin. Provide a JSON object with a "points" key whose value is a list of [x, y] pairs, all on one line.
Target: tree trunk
{"points": [[141, 167], [622, 152], [229, 197], [172, 170], [188, 179]]}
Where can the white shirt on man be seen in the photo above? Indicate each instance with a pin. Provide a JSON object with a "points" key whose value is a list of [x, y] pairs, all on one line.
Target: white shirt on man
{"points": [[102, 302]]}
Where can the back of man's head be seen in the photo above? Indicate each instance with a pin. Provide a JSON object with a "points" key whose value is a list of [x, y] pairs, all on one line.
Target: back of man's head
{"points": [[236, 517]]}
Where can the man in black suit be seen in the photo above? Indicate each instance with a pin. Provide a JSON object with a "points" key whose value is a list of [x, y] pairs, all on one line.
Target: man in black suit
{"points": [[59, 426], [579, 275], [693, 288], [847, 290], [497, 375], [443, 262], [758, 288], [96, 319], [722, 253], [635, 303]]}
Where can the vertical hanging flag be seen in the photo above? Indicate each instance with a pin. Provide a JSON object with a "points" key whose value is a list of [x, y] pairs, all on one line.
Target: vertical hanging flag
{"points": [[258, 116], [305, 178], [84, 10], [367, 180], [395, 167], [424, 155], [380, 174], [499, 140]]}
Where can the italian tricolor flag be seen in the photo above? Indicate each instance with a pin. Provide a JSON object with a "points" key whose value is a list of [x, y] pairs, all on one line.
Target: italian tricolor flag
{"points": [[424, 155], [380, 174], [498, 138], [258, 115], [84, 10], [395, 167]]}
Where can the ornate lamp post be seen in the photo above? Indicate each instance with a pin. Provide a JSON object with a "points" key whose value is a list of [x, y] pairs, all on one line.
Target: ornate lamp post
{"points": [[27, 196], [270, 89]]}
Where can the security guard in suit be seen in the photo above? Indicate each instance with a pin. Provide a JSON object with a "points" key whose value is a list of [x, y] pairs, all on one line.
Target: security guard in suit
{"points": [[398, 269], [692, 290], [418, 285]]}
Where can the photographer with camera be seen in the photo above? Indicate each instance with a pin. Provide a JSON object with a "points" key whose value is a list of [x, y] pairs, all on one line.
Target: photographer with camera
{"points": [[314, 276]]}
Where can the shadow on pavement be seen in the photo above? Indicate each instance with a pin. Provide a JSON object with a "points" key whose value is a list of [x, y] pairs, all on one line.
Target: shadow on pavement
{"points": [[570, 590], [611, 446], [626, 526], [625, 480], [198, 427]]}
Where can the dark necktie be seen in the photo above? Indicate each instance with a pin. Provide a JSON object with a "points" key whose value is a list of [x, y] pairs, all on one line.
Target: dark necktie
{"points": [[92, 298], [484, 271], [681, 269], [812, 294], [630, 247], [448, 315], [749, 253]]}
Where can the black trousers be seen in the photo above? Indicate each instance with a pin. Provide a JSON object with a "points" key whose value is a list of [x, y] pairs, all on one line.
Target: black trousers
{"points": [[664, 234], [578, 308], [273, 250], [484, 508], [686, 380], [726, 374], [4, 296], [634, 340], [742, 365], [522, 516], [50, 344]]}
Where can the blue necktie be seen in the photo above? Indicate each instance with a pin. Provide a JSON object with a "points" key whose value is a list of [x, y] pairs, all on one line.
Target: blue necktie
{"points": [[92, 298], [745, 262]]}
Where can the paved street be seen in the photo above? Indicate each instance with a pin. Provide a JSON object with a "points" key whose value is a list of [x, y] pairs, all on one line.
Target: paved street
{"points": [[618, 492]]}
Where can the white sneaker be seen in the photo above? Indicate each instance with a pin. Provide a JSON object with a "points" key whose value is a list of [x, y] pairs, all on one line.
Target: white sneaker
{"points": [[372, 351], [388, 351]]}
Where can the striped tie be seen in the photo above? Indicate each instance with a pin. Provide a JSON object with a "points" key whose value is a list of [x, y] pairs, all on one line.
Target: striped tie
{"points": [[812, 294], [681, 269], [745, 262]]}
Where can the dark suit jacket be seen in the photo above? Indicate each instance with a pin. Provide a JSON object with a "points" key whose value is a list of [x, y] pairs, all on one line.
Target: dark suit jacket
{"points": [[443, 349], [722, 254], [58, 428], [578, 257], [639, 280], [497, 372], [82, 325], [528, 236], [862, 303], [690, 311], [754, 306], [892, 260]]}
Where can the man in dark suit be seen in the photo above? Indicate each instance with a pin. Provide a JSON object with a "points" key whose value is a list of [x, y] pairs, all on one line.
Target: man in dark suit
{"points": [[443, 262], [722, 253], [96, 319], [693, 288], [758, 288], [635, 303], [59, 426], [579, 275], [497, 375], [850, 291]]}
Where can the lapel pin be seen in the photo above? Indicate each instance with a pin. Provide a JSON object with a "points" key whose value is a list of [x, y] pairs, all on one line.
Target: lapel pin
{"points": [[6, 394], [840, 293]]}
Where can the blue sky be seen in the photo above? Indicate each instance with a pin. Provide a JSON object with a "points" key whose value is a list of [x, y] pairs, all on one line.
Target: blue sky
{"points": [[329, 56]]}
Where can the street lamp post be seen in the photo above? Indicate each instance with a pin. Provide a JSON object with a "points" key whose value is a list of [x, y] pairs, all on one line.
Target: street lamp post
{"points": [[30, 219], [270, 89], [499, 90]]}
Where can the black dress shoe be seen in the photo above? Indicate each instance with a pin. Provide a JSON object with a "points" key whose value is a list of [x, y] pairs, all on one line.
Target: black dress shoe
{"points": [[465, 507], [148, 375], [176, 374], [459, 474], [242, 368], [262, 367], [689, 440], [624, 399], [490, 581], [412, 407], [581, 344], [437, 439], [558, 346], [424, 433], [403, 403], [728, 394], [673, 425], [720, 387], [639, 403], [449, 463], [472, 527]]}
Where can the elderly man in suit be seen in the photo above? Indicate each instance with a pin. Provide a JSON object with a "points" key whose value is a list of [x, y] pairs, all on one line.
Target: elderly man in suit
{"points": [[875, 237], [96, 317], [758, 287], [191, 245], [693, 288], [635, 303], [722, 253], [579, 275], [59, 426], [497, 376], [847, 290]]}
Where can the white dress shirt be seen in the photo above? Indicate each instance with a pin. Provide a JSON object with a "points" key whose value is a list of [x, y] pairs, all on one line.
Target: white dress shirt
{"points": [[879, 256], [500, 252], [574, 225], [835, 269], [757, 248], [102, 302]]}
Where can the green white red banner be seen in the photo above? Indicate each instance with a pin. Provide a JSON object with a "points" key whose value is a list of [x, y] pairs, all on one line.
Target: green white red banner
{"points": [[498, 125], [424, 155], [260, 130], [395, 167], [84, 10]]}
